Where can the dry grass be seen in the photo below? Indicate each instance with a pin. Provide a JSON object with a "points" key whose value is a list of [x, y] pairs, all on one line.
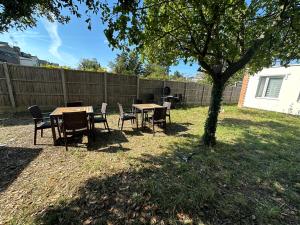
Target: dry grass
{"points": [[251, 177]]}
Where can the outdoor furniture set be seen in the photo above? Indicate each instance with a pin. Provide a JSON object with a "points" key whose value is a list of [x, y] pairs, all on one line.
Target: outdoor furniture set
{"points": [[78, 119]]}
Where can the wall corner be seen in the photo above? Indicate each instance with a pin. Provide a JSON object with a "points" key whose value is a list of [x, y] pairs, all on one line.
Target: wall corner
{"points": [[243, 90]]}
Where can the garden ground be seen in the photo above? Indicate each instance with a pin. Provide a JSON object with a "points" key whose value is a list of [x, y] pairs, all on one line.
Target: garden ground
{"points": [[252, 176]]}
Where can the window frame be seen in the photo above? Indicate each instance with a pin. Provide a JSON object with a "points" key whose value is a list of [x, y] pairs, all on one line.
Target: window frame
{"points": [[268, 77]]}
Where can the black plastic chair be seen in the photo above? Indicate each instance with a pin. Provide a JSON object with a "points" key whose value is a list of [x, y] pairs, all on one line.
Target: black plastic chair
{"points": [[75, 123], [101, 116], [168, 106], [41, 121], [75, 104], [158, 118], [125, 116]]}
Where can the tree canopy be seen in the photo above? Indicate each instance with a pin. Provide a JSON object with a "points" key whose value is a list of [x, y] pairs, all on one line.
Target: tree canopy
{"points": [[127, 63], [90, 65], [21, 14], [220, 35]]}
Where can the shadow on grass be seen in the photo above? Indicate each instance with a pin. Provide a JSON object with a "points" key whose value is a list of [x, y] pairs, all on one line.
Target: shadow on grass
{"points": [[9, 120], [108, 141], [13, 160], [253, 181], [178, 129]]}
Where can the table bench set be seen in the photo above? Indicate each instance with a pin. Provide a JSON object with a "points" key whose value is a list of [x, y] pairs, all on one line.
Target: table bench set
{"points": [[76, 118]]}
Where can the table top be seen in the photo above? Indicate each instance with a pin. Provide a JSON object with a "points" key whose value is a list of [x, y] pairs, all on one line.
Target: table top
{"points": [[146, 106], [60, 110]]}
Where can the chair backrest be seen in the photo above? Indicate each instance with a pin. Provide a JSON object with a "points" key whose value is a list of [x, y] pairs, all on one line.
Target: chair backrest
{"points": [[149, 98], [75, 120], [137, 101], [36, 112], [74, 104], [103, 108], [121, 109], [159, 113], [167, 105]]}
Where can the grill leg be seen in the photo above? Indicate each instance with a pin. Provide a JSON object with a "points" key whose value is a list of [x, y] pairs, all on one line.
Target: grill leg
{"points": [[34, 137]]}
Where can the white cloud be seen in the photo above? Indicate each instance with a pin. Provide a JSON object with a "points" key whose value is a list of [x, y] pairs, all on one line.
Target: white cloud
{"points": [[52, 29], [63, 57]]}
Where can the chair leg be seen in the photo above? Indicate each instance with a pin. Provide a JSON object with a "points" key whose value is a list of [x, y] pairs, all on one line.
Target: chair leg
{"points": [[42, 132], [122, 125], [169, 118], [66, 144], [58, 129], [34, 138], [119, 122], [153, 127], [107, 126]]}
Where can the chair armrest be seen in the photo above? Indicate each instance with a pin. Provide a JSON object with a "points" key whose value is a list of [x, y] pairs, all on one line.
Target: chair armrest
{"points": [[46, 114], [36, 119]]}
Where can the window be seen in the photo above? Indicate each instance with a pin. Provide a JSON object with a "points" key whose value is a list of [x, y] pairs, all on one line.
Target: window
{"points": [[269, 87]]}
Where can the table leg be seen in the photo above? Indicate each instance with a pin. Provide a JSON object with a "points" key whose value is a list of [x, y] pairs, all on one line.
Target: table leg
{"points": [[142, 113], [53, 129], [93, 126], [137, 118]]}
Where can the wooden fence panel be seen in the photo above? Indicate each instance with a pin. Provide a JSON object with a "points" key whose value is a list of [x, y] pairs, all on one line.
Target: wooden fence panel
{"points": [[85, 86], [121, 89], [151, 87], [235, 95], [227, 95], [194, 92], [4, 95], [34, 85]]}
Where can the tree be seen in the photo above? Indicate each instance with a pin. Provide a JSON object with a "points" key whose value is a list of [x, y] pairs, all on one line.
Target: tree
{"points": [[90, 65], [222, 36], [155, 71], [177, 76], [127, 64], [21, 14]]}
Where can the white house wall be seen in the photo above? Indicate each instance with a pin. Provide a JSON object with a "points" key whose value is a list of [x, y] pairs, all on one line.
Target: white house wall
{"points": [[287, 102]]}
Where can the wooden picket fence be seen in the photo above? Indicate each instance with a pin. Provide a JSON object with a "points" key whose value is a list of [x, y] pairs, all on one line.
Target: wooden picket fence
{"points": [[22, 86]]}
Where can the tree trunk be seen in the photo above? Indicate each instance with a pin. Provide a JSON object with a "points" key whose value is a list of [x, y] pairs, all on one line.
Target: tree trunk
{"points": [[209, 137]]}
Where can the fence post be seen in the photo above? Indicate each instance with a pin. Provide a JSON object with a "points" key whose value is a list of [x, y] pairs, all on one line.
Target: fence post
{"points": [[63, 82], [203, 87], [184, 93], [9, 86], [230, 100], [137, 87], [105, 87]]}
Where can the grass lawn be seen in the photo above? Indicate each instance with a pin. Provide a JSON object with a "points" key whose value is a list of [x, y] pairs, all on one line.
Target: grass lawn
{"points": [[252, 176]]}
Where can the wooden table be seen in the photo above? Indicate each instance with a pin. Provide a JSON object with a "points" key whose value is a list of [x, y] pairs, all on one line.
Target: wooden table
{"points": [[57, 114], [143, 107]]}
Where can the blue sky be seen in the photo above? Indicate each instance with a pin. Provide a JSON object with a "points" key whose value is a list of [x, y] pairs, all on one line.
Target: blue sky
{"points": [[67, 44]]}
